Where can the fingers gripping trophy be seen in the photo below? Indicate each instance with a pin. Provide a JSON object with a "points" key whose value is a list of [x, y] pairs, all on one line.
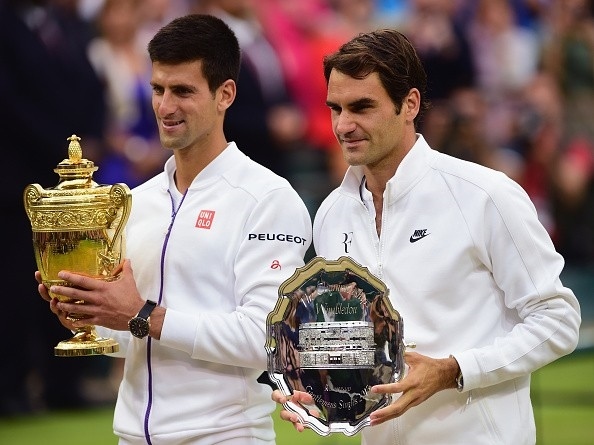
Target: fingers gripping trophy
{"points": [[78, 225]]}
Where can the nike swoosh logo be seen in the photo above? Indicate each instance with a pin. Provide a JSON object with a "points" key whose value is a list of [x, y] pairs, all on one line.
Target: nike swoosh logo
{"points": [[414, 239]]}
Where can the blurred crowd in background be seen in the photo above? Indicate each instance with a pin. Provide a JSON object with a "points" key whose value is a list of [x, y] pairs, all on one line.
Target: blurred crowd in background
{"points": [[511, 84]]}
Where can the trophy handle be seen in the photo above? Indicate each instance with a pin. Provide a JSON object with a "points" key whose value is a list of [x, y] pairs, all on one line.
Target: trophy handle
{"points": [[121, 197]]}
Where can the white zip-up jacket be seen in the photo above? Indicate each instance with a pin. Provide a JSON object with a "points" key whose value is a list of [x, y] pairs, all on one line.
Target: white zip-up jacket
{"points": [[474, 274], [215, 259]]}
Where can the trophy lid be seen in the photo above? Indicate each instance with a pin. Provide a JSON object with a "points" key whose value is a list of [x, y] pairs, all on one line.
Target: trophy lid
{"points": [[77, 202], [75, 171]]}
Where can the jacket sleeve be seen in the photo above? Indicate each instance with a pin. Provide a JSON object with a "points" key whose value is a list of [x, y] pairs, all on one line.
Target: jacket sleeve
{"points": [[526, 267]]}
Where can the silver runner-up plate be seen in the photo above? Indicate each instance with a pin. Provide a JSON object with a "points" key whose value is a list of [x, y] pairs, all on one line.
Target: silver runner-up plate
{"points": [[334, 334]]}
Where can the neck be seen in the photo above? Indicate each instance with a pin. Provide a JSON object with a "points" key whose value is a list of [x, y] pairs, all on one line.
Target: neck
{"points": [[191, 161]]}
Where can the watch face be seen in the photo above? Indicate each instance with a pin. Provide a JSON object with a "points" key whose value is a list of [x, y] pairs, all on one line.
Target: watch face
{"points": [[139, 327]]}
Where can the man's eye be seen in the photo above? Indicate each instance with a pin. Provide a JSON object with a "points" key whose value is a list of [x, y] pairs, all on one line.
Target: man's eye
{"points": [[182, 91]]}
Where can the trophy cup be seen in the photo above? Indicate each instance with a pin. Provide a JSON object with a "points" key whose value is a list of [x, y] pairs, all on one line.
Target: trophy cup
{"points": [[334, 334], [78, 226]]}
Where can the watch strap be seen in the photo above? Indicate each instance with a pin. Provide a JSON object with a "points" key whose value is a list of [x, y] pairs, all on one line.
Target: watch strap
{"points": [[147, 309]]}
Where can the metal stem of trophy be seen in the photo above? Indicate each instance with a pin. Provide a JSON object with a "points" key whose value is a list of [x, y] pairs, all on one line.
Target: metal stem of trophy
{"points": [[78, 226]]}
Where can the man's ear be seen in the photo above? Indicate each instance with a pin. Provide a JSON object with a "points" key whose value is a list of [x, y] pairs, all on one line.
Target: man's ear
{"points": [[227, 92], [412, 104]]}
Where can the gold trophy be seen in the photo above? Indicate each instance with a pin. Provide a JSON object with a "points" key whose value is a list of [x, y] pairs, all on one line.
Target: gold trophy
{"points": [[78, 226]]}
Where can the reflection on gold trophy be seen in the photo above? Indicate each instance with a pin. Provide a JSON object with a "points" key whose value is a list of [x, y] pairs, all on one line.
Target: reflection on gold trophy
{"points": [[78, 226]]}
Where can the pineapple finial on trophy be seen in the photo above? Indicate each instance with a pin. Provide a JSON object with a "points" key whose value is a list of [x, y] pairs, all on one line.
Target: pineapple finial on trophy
{"points": [[75, 172], [74, 149]]}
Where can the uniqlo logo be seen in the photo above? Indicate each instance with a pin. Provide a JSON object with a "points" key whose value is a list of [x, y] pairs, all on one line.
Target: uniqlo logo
{"points": [[205, 218]]}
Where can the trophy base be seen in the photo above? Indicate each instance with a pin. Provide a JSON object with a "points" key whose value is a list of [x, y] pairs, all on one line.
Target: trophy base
{"points": [[86, 343]]}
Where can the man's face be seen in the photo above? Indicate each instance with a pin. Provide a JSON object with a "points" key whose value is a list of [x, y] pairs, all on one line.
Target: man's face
{"points": [[365, 122], [186, 110]]}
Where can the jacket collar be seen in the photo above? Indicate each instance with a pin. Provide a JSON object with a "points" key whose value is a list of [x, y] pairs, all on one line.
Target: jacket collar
{"points": [[413, 167], [229, 158]]}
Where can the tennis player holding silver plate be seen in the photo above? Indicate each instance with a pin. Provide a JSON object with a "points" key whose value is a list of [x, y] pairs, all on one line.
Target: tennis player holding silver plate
{"points": [[334, 334]]}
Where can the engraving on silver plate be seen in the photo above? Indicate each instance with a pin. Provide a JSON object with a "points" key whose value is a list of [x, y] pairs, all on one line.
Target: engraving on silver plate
{"points": [[335, 334], [335, 345]]}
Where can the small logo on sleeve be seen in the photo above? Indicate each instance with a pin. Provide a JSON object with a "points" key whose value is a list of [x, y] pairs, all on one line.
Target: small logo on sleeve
{"points": [[418, 234], [205, 218]]}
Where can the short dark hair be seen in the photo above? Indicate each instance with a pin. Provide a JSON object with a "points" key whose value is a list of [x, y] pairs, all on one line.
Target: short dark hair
{"points": [[388, 53], [199, 37]]}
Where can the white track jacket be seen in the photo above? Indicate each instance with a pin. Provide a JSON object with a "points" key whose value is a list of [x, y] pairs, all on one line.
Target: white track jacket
{"points": [[215, 259], [474, 274]]}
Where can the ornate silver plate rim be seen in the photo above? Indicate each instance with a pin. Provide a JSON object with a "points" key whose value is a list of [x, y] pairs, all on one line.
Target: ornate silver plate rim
{"points": [[334, 333]]}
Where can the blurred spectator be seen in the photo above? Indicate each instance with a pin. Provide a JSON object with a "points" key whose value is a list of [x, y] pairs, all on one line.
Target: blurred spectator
{"points": [[390, 12], [528, 13], [573, 202], [464, 134], [119, 57], [263, 90], [568, 54], [442, 46], [506, 59], [49, 91], [567, 33], [156, 14], [316, 28], [537, 137], [290, 27], [445, 52], [559, 170]]}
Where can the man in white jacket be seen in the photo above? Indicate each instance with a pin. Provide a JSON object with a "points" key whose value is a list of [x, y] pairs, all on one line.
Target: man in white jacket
{"points": [[208, 243], [469, 267]]}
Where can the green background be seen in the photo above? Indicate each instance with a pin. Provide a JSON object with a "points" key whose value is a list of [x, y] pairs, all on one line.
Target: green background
{"points": [[562, 394]]}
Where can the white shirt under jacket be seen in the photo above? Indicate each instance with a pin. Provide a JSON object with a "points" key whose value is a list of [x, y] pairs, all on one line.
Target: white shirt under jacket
{"points": [[474, 274], [237, 235]]}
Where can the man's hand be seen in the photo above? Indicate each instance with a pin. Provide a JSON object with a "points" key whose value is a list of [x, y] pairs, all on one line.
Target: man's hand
{"points": [[64, 318], [301, 399], [102, 303], [425, 377]]}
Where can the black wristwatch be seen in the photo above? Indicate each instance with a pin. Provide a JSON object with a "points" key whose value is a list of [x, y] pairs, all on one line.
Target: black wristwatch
{"points": [[139, 326]]}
